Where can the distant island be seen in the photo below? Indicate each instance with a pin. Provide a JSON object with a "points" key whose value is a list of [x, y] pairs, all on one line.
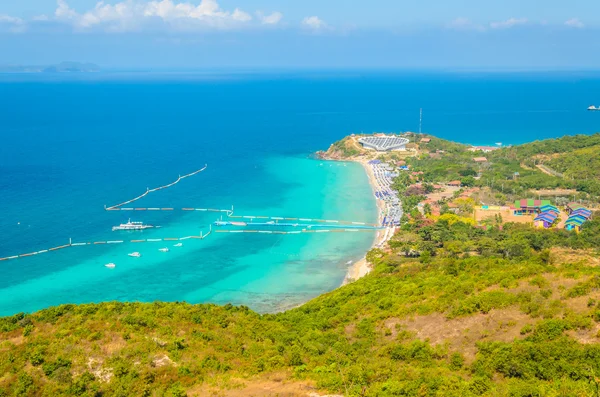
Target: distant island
{"points": [[63, 67]]}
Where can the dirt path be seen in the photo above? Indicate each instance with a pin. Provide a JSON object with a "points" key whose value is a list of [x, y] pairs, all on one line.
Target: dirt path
{"points": [[549, 171]]}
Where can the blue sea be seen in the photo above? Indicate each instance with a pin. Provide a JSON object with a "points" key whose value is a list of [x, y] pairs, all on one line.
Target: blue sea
{"points": [[72, 144]]}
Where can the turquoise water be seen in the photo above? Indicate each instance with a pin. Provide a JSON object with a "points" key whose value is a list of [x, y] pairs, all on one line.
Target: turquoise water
{"points": [[266, 272], [71, 145]]}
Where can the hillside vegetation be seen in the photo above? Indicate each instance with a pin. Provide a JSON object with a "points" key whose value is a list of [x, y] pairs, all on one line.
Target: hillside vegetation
{"points": [[580, 164], [513, 172], [460, 311]]}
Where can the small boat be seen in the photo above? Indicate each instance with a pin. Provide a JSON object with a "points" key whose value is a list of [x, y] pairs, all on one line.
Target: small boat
{"points": [[163, 249], [178, 245], [110, 265], [132, 226], [593, 108], [349, 263], [135, 254]]}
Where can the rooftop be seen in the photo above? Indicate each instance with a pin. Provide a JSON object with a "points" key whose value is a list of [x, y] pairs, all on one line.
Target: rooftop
{"points": [[531, 203], [384, 143]]}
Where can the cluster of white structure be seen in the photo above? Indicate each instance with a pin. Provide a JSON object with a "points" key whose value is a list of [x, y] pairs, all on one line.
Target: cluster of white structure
{"points": [[383, 191], [384, 143]]}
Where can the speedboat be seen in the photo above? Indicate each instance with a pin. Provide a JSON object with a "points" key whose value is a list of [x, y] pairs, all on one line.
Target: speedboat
{"points": [[163, 249], [178, 245], [110, 265], [135, 254]]}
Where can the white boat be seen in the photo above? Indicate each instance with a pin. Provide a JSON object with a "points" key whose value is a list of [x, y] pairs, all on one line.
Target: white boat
{"points": [[178, 245], [135, 254], [110, 265], [163, 249], [132, 226], [593, 108]]}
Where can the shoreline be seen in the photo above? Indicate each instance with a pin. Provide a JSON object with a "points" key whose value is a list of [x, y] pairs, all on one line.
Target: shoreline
{"points": [[361, 268]]}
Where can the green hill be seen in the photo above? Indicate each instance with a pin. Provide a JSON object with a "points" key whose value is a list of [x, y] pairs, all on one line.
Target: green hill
{"points": [[580, 164], [451, 310]]}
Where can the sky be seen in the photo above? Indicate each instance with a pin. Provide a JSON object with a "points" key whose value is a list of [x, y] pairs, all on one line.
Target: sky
{"points": [[381, 34]]}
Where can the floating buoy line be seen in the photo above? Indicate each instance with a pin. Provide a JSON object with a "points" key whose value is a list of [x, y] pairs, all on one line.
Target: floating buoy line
{"points": [[148, 190], [319, 226]]}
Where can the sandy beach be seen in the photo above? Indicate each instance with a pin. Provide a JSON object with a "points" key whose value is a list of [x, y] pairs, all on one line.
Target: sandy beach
{"points": [[361, 267]]}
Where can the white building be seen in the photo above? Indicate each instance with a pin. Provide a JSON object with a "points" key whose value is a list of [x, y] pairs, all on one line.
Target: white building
{"points": [[384, 143]]}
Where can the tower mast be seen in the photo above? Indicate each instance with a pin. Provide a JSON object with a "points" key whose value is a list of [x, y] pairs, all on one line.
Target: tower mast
{"points": [[420, 119]]}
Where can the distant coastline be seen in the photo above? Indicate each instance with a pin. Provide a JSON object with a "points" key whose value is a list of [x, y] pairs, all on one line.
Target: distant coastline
{"points": [[63, 67]]}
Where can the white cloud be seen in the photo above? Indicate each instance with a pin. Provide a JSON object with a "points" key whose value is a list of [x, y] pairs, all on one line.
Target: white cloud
{"points": [[12, 24], [464, 24], [509, 23], [11, 20], [241, 16], [315, 23], [575, 23], [129, 15], [39, 18], [271, 19], [63, 11]]}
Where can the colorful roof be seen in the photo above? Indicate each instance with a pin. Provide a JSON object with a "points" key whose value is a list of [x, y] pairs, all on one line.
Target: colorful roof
{"points": [[576, 216], [583, 212], [546, 217], [574, 222], [529, 203], [574, 206], [549, 207]]}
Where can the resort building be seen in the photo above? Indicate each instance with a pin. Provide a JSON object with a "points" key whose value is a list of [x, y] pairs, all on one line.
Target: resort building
{"points": [[546, 218], [484, 149], [578, 215], [574, 206], [383, 143], [480, 160], [529, 206], [425, 140]]}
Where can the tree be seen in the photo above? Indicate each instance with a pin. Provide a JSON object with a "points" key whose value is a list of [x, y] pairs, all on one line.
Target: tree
{"points": [[427, 209], [445, 209], [467, 172], [515, 247], [467, 181]]}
